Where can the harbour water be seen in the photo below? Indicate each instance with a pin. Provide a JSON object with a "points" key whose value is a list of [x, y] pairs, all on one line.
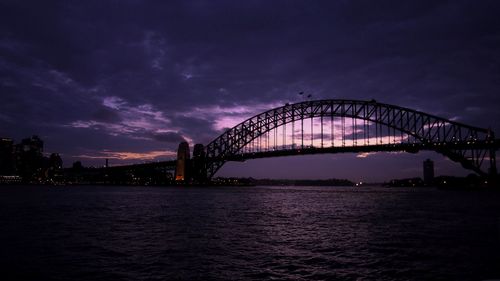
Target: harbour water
{"points": [[248, 233]]}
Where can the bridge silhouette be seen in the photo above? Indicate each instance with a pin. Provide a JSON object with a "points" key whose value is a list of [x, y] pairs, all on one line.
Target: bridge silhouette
{"points": [[340, 126], [337, 125]]}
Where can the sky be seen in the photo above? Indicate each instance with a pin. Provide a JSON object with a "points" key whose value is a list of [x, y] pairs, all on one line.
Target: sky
{"points": [[128, 80]]}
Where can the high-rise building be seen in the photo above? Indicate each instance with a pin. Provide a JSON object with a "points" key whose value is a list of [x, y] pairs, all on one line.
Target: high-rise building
{"points": [[55, 161], [29, 158], [182, 168], [54, 168], [428, 172], [6, 156], [33, 145]]}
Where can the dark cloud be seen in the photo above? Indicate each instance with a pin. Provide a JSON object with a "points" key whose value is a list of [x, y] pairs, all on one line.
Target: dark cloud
{"points": [[168, 137], [185, 66], [200, 129], [107, 115]]}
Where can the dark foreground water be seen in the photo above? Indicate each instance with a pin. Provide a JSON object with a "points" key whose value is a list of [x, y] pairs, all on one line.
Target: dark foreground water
{"points": [[248, 233]]}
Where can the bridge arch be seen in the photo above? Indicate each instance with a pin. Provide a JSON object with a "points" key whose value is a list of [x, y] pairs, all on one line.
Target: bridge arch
{"points": [[469, 145]]}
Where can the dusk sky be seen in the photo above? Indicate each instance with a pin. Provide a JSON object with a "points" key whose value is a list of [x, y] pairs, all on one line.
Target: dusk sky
{"points": [[129, 80]]}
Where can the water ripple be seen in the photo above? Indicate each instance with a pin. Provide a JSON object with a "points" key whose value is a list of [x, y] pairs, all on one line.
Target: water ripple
{"points": [[254, 233]]}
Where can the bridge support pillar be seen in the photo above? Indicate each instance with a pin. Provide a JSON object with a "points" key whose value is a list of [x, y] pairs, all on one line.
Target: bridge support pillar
{"points": [[493, 161], [182, 169], [199, 171]]}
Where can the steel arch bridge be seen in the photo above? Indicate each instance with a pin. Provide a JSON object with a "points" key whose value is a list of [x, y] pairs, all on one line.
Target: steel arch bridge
{"points": [[338, 125]]}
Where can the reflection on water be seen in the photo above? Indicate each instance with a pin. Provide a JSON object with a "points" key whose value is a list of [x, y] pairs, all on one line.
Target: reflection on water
{"points": [[250, 233]]}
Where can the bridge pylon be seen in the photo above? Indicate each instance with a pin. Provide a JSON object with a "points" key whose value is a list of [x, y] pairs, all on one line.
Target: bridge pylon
{"points": [[182, 170], [198, 169], [493, 161]]}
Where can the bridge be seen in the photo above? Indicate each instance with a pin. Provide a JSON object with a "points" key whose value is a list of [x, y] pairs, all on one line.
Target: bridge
{"points": [[333, 126], [338, 126]]}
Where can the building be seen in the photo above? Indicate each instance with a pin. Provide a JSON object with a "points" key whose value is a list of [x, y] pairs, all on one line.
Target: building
{"points": [[6, 156], [25, 162], [428, 172], [182, 168], [29, 158]]}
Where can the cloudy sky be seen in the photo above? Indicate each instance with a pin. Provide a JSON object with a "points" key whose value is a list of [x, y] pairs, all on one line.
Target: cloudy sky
{"points": [[128, 80]]}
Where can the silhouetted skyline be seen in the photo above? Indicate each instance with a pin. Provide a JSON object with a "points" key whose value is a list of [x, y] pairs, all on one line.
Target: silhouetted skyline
{"points": [[128, 81]]}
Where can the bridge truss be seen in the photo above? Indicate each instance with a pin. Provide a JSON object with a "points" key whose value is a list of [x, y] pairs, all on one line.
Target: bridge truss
{"points": [[334, 126]]}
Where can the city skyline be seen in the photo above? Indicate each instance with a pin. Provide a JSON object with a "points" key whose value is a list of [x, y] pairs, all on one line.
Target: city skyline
{"points": [[128, 82]]}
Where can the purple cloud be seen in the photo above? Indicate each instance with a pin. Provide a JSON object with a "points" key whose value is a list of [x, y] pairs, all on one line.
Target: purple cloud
{"points": [[151, 75]]}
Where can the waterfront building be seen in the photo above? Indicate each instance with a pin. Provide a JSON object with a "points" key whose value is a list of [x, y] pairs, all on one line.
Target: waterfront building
{"points": [[6, 156], [29, 158]]}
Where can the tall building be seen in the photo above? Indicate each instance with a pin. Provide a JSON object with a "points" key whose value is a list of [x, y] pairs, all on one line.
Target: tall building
{"points": [[428, 172], [6, 156], [33, 145], [55, 161], [182, 168], [54, 166], [29, 158]]}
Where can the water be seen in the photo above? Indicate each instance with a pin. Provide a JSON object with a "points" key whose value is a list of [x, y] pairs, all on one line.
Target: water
{"points": [[248, 233]]}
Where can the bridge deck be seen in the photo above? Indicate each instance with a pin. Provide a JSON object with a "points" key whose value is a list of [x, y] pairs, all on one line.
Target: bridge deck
{"points": [[407, 147]]}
